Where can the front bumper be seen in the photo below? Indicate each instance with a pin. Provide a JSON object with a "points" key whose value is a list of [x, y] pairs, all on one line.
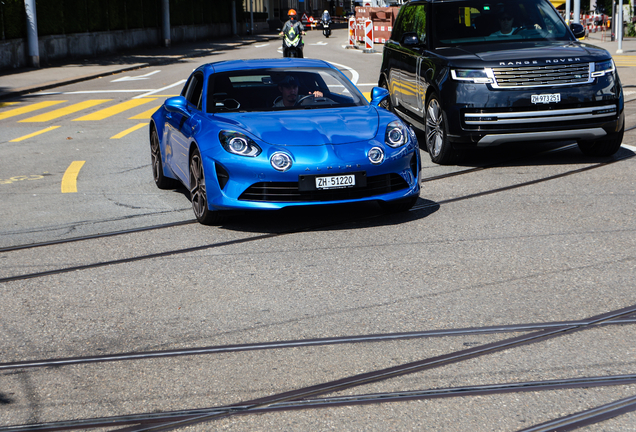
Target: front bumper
{"points": [[242, 184], [480, 115]]}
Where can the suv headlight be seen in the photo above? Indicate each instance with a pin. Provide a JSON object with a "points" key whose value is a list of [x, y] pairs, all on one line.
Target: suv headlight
{"points": [[396, 134], [477, 76], [238, 144], [602, 68]]}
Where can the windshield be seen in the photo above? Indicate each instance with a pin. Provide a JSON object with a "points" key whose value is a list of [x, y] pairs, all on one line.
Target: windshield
{"points": [[479, 21], [280, 89]]}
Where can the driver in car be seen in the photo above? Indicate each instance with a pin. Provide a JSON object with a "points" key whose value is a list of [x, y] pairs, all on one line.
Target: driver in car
{"points": [[506, 18], [289, 93]]}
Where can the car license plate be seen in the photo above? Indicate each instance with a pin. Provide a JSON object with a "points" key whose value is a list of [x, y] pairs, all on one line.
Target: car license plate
{"points": [[334, 182], [546, 98]]}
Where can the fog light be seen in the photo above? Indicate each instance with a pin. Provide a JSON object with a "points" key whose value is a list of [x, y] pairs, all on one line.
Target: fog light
{"points": [[376, 155], [280, 161]]}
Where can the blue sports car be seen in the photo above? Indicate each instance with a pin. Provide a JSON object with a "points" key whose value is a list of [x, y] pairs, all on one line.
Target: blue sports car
{"points": [[272, 133]]}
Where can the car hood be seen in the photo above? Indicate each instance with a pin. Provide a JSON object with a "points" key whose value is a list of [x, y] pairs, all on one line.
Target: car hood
{"points": [[535, 53], [307, 126]]}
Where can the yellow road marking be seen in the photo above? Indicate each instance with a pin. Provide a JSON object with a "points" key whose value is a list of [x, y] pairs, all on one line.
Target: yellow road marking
{"points": [[69, 181], [34, 134], [51, 115], [27, 109], [367, 95], [146, 114], [129, 130], [6, 104], [116, 109]]}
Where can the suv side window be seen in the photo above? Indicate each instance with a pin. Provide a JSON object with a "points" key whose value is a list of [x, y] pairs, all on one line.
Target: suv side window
{"points": [[420, 22], [406, 19]]}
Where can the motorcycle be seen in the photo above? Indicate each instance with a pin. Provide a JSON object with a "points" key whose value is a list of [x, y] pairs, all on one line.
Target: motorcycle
{"points": [[292, 46], [326, 28]]}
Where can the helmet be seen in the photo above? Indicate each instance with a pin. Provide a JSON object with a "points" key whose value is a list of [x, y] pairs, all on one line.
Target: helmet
{"points": [[325, 11], [291, 12]]}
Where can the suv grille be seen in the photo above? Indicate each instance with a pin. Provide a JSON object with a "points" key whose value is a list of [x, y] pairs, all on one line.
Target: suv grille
{"points": [[533, 76]]}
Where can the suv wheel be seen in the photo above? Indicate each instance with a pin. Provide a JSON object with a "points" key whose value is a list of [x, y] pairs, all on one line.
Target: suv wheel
{"points": [[437, 143], [603, 147]]}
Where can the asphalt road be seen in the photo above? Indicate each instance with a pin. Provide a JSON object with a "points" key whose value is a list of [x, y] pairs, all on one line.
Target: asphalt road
{"points": [[517, 235]]}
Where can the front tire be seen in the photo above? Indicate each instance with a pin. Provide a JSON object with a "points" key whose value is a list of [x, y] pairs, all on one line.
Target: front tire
{"points": [[603, 147], [161, 180], [436, 134], [198, 193]]}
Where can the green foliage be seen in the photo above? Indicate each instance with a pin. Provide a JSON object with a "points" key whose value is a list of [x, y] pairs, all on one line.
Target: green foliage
{"points": [[77, 16], [630, 29]]}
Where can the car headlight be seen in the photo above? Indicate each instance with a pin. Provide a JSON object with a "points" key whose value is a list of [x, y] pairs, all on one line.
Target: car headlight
{"points": [[477, 76], [280, 161], [602, 68], [239, 144], [396, 134]]}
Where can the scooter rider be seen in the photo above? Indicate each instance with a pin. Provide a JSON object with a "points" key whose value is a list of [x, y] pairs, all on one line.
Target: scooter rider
{"points": [[294, 24], [326, 18]]}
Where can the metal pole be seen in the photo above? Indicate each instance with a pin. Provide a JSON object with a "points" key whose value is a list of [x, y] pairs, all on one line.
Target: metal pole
{"points": [[234, 17], [165, 25], [619, 29], [32, 33], [577, 11], [251, 17]]}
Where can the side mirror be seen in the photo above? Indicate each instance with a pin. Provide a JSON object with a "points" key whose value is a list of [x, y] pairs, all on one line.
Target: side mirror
{"points": [[410, 39], [578, 30], [378, 94], [177, 104]]}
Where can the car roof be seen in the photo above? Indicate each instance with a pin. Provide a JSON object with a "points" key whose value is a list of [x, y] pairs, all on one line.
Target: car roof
{"points": [[232, 65]]}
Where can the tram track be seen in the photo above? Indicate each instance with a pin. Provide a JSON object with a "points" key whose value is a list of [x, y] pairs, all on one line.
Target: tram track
{"points": [[278, 234], [298, 398], [336, 401], [303, 343], [193, 221]]}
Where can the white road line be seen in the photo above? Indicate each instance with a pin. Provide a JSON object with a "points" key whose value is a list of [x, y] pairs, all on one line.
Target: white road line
{"points": [[629, 147], [135, 78], [354, 75], [160, 90], [261, 45]]}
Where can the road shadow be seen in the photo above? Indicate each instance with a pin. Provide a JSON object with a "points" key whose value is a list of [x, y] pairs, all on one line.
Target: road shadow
{"points": [[333, 217]]}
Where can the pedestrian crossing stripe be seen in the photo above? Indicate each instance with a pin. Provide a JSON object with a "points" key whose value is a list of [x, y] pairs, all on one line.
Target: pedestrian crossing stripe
{"points": [[27, 109], [146, 114], [129, 130], [34, 134], [115, 109], [52, 115]]}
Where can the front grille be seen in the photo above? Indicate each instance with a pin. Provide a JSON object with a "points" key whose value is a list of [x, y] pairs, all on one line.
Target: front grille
{"points": [[537, 76], [288, 191]]}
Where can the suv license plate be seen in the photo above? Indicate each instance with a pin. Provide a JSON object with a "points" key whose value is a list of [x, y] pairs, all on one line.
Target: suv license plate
{"points": [[333, 182], [546, 98]]}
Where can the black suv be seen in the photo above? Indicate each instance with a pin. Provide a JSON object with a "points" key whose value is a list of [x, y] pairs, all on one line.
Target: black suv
{"points": [[474, 73]]}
